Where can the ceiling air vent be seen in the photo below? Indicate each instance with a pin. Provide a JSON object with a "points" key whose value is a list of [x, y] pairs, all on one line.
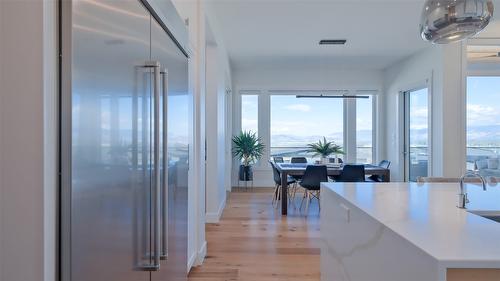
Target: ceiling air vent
{"points": [[332, 42]]}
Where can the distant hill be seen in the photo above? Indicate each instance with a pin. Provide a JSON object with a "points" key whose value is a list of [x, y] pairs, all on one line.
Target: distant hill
{"points": [[477, 136], [484, 135]]}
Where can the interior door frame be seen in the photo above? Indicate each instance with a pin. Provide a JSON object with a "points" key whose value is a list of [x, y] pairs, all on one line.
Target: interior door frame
{"points": [[404, 126]]}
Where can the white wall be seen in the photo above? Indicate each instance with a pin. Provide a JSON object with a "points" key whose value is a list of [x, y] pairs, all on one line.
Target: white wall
{"points": [[215, 137], [27, 140], [225, 86], [260, 79], [198, 14], [440, 68], [218, 82], [193, 12]]}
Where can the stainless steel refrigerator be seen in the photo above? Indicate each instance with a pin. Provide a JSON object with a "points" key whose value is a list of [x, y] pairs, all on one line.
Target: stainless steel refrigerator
{"points": [[124, 141]]}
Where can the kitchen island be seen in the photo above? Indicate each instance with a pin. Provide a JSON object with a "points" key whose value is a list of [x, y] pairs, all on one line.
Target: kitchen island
{"points": [[408, 232]]}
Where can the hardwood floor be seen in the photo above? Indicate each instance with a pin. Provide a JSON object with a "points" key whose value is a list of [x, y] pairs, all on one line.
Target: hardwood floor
{"points": [[253, 242]]}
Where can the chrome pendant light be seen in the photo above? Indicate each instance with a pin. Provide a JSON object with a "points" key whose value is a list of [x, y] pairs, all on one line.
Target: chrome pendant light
{"points": [[446, 21]]}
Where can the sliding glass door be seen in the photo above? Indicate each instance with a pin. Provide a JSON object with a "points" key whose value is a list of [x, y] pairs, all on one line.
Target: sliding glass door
{"points": [[416, 133]]}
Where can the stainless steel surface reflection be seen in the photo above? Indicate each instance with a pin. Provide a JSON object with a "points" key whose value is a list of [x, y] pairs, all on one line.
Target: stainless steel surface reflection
{"points": [[111, 214], [447, 21], [174, 267]]}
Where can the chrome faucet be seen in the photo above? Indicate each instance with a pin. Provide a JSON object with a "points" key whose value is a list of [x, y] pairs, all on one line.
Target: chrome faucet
{"points": [[462, 196]]}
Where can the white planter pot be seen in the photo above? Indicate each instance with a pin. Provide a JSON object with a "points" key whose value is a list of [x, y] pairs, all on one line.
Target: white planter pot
{"points": [[324, 160]]}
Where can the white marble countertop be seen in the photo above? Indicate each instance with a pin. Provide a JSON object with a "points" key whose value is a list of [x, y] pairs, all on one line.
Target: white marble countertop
{"points": [[426, 215]]}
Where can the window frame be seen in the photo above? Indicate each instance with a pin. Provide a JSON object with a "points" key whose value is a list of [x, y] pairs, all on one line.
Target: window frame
{"points": [[264, 126], [374, 97], [425, 83]]}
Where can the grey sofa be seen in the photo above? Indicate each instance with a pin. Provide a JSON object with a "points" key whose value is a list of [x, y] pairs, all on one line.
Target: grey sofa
{"points": [[488, 167]]}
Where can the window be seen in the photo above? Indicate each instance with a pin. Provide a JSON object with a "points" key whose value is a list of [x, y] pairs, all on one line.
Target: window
{"points": [[250, 113], [483, 121], [416, 133], [364, 130], [297, 122]]}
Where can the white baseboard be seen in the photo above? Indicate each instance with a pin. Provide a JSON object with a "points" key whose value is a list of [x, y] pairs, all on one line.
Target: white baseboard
{"points": [[197, 258], [191, 262], [215, 217], [202, 253]]}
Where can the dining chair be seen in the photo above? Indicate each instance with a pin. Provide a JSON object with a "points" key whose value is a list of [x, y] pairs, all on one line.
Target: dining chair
{"points": [[277, 184], [278, 159], [383, 164], [298, 160], [311, 182], [352, 173]]}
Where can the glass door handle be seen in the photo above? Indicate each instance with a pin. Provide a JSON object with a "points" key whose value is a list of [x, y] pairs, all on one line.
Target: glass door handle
{"points": [[164, 206], [154, 265]]}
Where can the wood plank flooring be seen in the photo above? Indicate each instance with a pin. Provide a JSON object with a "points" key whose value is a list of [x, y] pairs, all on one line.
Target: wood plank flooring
{"points": [[253, 242]]}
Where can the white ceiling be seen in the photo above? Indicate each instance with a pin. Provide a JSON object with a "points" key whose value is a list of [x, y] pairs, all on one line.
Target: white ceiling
{"points": [[286, 32], [379, 32]]}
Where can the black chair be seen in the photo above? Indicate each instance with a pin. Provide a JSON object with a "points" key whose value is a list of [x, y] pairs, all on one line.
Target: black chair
{"points": [[352, 173], [298, 160], [278, 159], [311, 182], [277, 183], [383, 164]]}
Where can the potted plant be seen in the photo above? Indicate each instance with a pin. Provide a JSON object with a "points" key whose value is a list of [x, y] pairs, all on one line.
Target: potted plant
{"points": [[324, 149], [247, 148]]}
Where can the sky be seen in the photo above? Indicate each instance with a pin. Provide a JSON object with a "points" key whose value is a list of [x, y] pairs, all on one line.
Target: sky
{"points": [[483, 101], [302, 118], [419, 117], [483, 111], [295, 121]]}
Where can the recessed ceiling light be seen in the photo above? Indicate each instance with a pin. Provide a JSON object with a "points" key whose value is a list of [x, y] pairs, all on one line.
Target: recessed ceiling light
{"points": [[332, 42]]}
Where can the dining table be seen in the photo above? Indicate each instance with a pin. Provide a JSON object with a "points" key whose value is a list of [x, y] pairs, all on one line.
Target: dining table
{"points": [[298, 169]]}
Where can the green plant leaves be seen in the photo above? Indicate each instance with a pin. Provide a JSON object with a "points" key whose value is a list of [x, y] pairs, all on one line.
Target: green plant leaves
{"points": [[247, 147], [325, 148]]}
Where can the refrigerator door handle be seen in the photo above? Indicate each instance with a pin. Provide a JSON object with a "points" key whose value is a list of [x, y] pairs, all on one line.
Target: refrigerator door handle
{"points": [[156, 200], [164, 223]]}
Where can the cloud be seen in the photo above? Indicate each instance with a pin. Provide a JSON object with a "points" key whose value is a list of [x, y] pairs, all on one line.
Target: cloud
{"points": [[249, 104], [287, 127], [305, 127], [364, 124], [420, 112], [249, 124], [482, 115], [299, 107]]}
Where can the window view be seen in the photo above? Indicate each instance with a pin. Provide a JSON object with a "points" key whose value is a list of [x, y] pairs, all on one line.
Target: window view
{"points": [[483, 124], [364, 130], [250, 113], [417, 137], [296, 122]]}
